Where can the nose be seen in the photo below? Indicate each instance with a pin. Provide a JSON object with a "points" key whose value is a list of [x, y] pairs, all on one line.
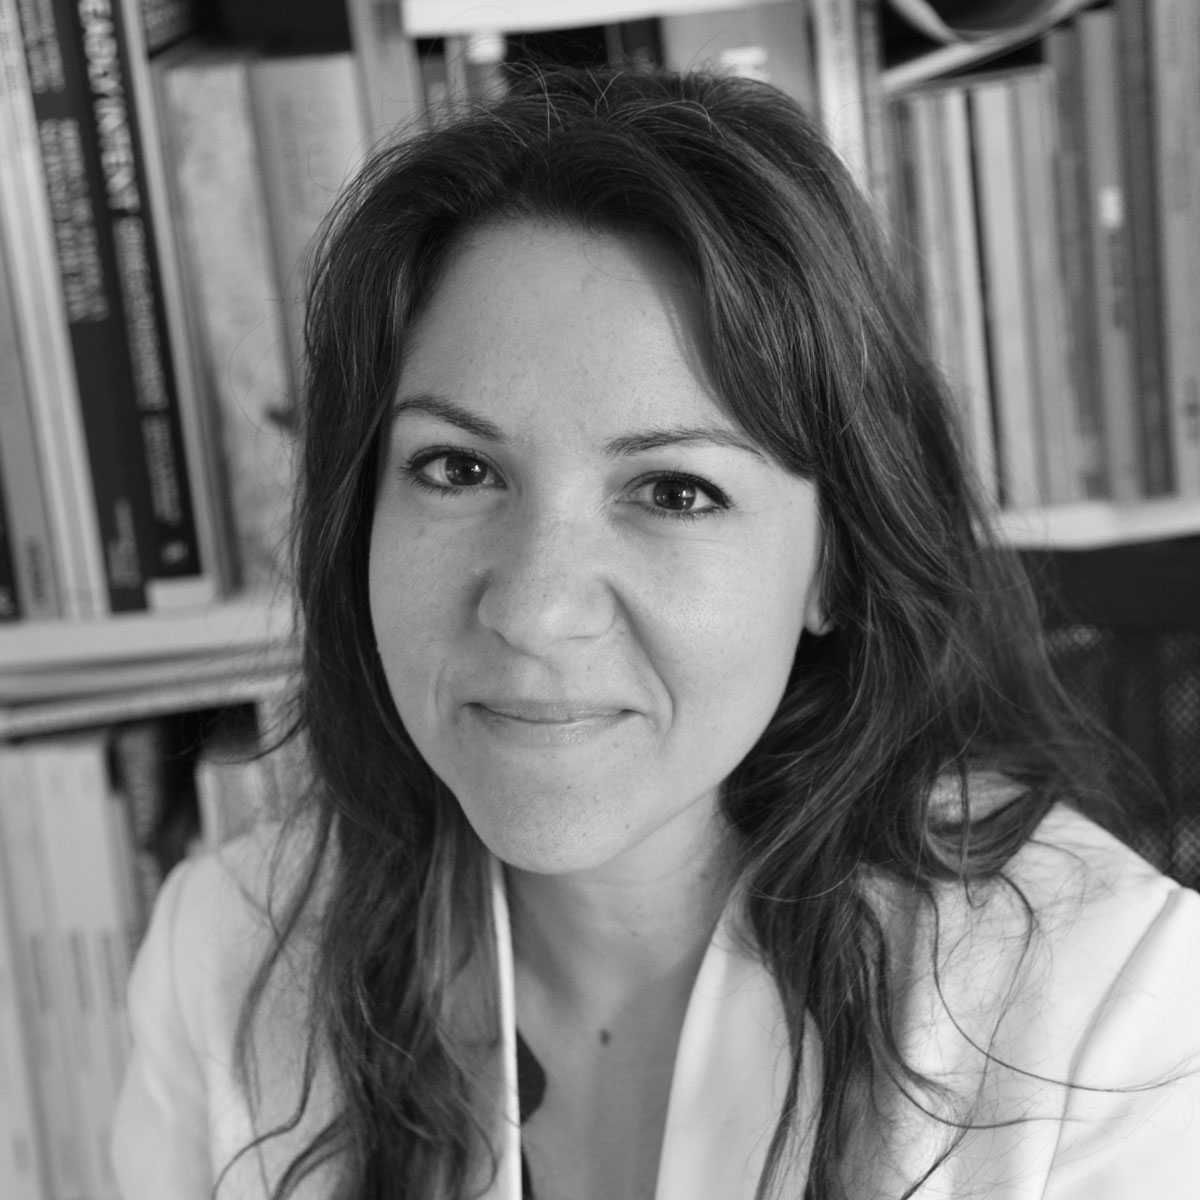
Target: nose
{"points": [[546, 585]]}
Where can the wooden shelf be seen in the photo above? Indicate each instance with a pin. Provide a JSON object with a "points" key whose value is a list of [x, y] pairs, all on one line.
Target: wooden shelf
{"points": [[229, 627], [1098, 523]]}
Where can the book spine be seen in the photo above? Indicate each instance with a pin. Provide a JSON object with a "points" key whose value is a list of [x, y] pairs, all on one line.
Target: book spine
{"points": [[960, 206], [44, 342], [29, 525], [21, 1170], [93, 931], [139, 754], [1112, 298], [1139, 155], [1006, 292], [50, 1030], [311, 133], [10, 608], [393, 94], [841, 95], [103, 48], [76, 190], [1175, 31], [1075, 236], [225, 249], [921, 149], [1037, 142]]}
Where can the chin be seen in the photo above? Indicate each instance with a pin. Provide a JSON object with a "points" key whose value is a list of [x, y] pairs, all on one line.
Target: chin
{"points": [[550, 835]]}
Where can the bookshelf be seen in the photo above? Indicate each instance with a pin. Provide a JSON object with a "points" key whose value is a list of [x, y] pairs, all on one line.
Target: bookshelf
{"points": [[192, 641]]}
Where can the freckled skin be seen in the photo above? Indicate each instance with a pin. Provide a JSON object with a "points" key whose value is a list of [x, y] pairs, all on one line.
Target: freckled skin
{"points": [[568, 576]]}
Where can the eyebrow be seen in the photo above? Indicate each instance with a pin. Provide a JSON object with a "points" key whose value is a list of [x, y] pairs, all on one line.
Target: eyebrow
{"points": [[443, 409]]}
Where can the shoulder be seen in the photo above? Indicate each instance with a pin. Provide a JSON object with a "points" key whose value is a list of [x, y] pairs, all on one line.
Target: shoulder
{"points": [[215, 919], [1078, 937], [1056, 1008]]}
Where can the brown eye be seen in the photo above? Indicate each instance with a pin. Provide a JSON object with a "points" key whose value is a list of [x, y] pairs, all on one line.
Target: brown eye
{"points": [[675, 494], [461, 470]]}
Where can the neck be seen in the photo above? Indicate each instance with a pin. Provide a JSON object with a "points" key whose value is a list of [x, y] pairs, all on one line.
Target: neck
{"points": [[594, 940]]}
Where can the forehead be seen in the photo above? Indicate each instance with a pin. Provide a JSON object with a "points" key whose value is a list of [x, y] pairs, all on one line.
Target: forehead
{"points": [[539, 312]]}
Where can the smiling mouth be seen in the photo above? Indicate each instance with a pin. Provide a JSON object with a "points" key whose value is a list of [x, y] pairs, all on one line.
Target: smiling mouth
{"points": [[549, 713], [525, 726]]}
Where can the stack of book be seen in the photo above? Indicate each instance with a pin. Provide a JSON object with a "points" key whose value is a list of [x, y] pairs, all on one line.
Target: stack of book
{"points": [[90, 822], [1049, 213]]}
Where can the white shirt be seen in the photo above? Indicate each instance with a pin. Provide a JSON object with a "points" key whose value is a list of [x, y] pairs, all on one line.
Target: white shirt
{"points": [[1106, 995]]}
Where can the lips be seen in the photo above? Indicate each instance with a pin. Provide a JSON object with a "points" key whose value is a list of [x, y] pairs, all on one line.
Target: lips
{"points": [[550, 712]]}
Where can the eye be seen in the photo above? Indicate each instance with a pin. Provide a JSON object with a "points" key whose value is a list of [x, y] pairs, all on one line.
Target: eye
{"points": [[445, 470], [677, 495]]}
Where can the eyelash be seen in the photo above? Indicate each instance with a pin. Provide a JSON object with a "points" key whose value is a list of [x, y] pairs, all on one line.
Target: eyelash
{"points": [[412, 473]]}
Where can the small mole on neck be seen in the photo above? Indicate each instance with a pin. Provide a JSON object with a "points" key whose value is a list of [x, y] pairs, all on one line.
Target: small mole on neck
{"points": [[605, 1037]]}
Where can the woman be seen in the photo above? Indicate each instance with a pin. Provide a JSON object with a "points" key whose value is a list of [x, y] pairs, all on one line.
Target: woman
{"points": [[694, 813]]}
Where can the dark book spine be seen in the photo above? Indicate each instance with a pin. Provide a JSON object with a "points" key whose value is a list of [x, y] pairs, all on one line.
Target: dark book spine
{"points": [[103, 45], [75, 190], [1075, 224], [10, 608]]}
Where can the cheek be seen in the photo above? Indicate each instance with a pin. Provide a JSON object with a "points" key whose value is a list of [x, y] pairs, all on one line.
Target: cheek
{"points": [[729, 651], [412, 605]]}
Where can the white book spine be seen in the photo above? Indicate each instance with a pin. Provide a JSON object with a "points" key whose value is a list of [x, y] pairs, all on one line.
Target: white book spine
{"points": [[1007, 292], [88, 901], [21, 1170], [48, 1022], [1175, 32], [840, 85], [973, 385], [1047, 316]]}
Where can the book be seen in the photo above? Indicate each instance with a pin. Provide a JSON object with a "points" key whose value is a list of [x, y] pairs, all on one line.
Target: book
{"points": [[393, 92], [841, 85], [1175, 51], [197, 413], [1006, 291], [92, 925], [1112, 292], [105, 49], [918, 144], [1055, 404], [1078, 270], [41, 975], [77, 179], [311, 133], [139, 756], [1139, 157], [213, 156], [22, 1170], [20, 472], [972, 383], [768, 41], [45, 346], [937, 213], [10, 609]]}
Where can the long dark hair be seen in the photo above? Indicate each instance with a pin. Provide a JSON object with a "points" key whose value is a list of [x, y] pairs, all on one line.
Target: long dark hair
{"points": [[933, 671]]}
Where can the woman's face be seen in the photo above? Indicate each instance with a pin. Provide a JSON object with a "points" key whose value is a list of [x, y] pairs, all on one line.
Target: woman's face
{"points": [[587, 585]]}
